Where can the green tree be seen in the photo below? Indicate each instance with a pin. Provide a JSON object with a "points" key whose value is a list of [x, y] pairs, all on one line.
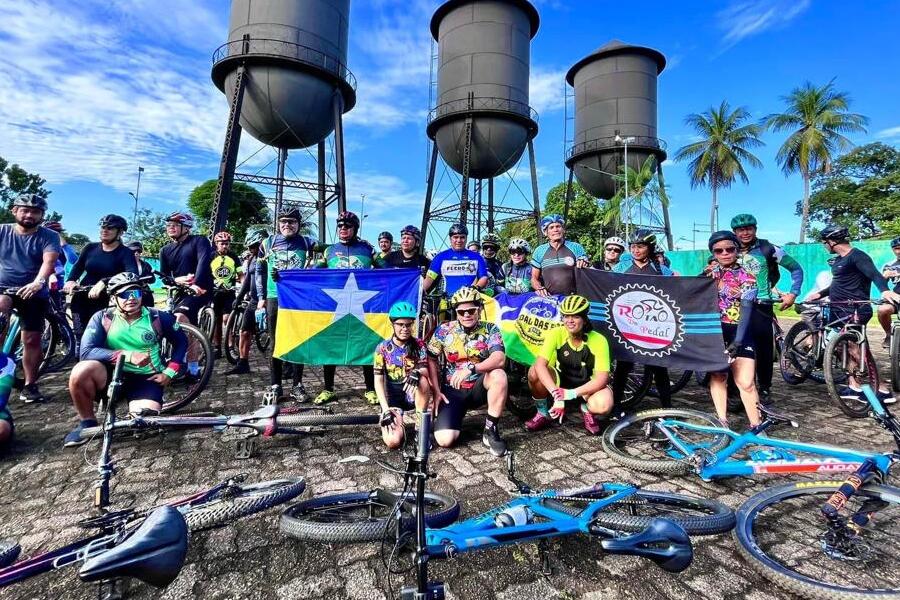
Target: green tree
{"points": [[644, 190], [248, 207], [77, 240], [150, 229], [861, 191], [15, 180], [718, 158], [817, 119]]}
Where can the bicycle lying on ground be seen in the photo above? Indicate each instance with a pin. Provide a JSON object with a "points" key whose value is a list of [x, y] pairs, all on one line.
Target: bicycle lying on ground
{"points": [[612, 512]]}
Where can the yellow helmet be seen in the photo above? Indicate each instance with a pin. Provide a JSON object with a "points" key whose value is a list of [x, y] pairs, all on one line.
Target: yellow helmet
{"points": [[574, 305], [465, 294]]}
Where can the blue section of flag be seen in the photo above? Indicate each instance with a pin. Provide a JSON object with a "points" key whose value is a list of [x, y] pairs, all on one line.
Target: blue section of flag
{"points": [[302, 289]]}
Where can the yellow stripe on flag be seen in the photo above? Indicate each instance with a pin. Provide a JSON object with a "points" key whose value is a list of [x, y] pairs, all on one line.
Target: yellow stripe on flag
{"points": [[380, 324], [297, 326]]}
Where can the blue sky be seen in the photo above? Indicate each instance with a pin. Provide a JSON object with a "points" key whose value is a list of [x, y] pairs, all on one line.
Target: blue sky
{"points": [[91, 90]]}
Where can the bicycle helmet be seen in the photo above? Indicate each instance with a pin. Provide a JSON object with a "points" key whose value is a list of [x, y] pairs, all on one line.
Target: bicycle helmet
{"points": [[458, 229], [413, 231], [385, 235], [574, 305], [402, 310], [615, 241], [895, 243], [474, 244], [255, 237], [182, 218], [835, 233], [348, 218], [31, 201], [721, 236], [519, 244], [643, 236], [135, 246], [491, 239], [464, 295], [222, 236], [114, 221], [289, 212], [122, 282], [54, 225], [743, 220], [550, 219]]}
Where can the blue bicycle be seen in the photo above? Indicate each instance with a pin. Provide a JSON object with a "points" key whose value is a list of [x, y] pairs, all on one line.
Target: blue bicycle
{"points": [[627, 520], [831, 539]]}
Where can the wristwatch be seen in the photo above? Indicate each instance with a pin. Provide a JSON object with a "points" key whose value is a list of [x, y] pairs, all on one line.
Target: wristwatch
{"points": [[40, 280]]}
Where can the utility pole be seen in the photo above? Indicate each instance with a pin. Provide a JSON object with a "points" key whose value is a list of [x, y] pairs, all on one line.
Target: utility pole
{"points": [[136, 195]]}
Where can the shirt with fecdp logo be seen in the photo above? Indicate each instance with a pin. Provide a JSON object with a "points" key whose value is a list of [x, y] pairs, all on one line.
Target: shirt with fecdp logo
{"points": [[458, 268]]}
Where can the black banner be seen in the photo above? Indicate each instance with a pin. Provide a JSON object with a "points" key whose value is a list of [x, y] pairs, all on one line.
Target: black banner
{"points": [[654, 320]]}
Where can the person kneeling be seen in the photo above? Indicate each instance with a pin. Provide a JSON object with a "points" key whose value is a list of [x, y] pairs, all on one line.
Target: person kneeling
{"points": [[132, 330], [573, 364], [472, 375], [401, 376]]}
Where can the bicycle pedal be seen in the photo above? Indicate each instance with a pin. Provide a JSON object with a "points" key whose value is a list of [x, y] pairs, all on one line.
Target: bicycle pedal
{"points": [[245, 449]]}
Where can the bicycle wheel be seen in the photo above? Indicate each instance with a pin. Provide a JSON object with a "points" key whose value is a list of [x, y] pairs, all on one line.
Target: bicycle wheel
{"points": [[790, 374], [635, 389], [359, 516], [307, 419], [801, 344], [263, 339], [233, 336], [678, 379], [205, 321], [635, 441], [782, 534], [895, 359], [519, 400], [240, 501], [841, 366], [185, 388], [698, 516], [61, 350]]}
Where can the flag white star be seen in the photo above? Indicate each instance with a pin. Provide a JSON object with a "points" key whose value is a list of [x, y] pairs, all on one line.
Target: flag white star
{"points": [[350, 299]]}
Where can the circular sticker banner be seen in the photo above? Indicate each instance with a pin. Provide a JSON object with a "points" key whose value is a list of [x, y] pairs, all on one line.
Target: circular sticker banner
{"points": [[645, 319]]}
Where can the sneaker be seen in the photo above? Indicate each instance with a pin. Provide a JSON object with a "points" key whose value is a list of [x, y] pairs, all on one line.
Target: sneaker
{"points": [[31, 393], [217, 353], [590, 422], [242, 367], [324, 397], [886, 397], [272, 395], [765, 396], [538, 422], [299, 393], [371, 397], [848, 392], [74, 438], [491, 439]]}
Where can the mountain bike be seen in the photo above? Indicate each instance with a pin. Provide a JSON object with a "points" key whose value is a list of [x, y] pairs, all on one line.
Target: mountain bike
{"points": [[805, 341], [56, 340], [625, 519], [894, 353], [233, 328]]}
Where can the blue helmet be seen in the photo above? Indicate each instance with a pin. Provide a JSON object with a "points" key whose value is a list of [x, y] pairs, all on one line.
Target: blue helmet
{"points": [[402, 310], [550, 219]]}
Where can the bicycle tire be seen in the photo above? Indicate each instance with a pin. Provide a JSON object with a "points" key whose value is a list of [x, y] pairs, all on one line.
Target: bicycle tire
{"points": [[305, 419], [263, 339], [676, 384], [635, 389], [834, 374], [250, 499], [615, 438], [327, 518], [196, 387], [205, 321], [519, 400], [62, 350], [715, 517], [751, 526], [895, 360], [803, 357], [232, 336]]}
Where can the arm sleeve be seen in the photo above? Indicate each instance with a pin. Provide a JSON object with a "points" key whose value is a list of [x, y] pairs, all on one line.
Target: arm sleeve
{"points": [[744, 321], [867, 267], [204, 261], [579, 251], [128, 262], [93, 342], [260, 272], [793, 268], [78, 268]]}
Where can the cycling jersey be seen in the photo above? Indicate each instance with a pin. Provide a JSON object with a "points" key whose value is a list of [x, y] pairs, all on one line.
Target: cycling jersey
{"points": [[189, 256], [461, 348], [248, 285], [394, 361], [628, 266], [893, 266], [95, 263], [735, 285], [517, 279], [225, 269], [280, 253], [557, 265], [357, 254], [397, 259], [576, 363], [23, 255], [108, 335], [764, 253], [852, 277], [381, 258], [457, 269]]}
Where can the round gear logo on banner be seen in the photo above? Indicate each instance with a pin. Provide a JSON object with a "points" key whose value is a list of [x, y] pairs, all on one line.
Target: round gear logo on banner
{"points": [[645, 320]]}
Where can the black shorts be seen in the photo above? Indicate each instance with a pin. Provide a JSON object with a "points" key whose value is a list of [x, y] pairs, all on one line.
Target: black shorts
{"points": [[249, 323], [86, 307], [190, 306], [450, 416], [32, 312], [397, 398], [729, 332], [844, 314], [223, 301], [137, 387]]}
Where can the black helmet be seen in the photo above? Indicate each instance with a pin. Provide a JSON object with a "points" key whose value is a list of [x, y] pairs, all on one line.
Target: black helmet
{"points": [[413, 231], [835, 233], [643, 236], [135, 246], [721, 236], [289, 212], [31, 201], [895, 243], [348, 218], [114, 221], [122, 282], [458, 229], [385, 235]]}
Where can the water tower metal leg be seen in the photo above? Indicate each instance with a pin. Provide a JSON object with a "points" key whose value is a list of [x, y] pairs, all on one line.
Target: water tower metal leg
{"points": [[429, 191], [339, 151], [322, 203], [479, 185], [279, 185], [222, 198], [467, 156], [534, 189], [568, 195], [490, 223]]}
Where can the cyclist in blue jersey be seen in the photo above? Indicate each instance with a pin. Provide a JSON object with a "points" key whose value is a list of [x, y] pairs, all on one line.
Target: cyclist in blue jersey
{"points": [[457, 267], [136, 332], [252, 242], [517, 272], [7, 378], [554, 262]]}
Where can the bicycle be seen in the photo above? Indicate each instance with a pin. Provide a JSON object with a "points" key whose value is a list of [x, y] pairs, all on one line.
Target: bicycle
{"points": [[894, 353], [806, 340], [609, 511], [56, 334], [233, 328]]}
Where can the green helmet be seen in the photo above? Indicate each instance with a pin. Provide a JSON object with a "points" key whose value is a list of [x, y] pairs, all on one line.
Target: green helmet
{"points": [[402, 310], [743, 220]]}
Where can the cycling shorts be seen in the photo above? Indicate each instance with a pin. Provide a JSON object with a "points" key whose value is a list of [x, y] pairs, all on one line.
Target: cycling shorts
{"points": [[729, 332], [450, 416], [32, 312], [190, 306], [398, 398], [223, 301], [248, 325]]}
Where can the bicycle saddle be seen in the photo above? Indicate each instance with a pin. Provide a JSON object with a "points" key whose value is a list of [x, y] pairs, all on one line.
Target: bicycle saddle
{"points": [[775, 417], [154, 553], [664, 542]]}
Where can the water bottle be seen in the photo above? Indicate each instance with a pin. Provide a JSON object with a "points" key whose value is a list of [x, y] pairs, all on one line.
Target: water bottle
{"points": [[514, 516]]}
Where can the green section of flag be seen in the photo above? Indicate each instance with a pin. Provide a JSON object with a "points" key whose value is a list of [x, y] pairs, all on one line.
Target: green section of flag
{"points": [[347, 341], [516, 350]]}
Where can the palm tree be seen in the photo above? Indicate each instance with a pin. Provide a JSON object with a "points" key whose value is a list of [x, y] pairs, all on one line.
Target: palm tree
{"points": [[817, 118], [642, 185], [718, 158]]}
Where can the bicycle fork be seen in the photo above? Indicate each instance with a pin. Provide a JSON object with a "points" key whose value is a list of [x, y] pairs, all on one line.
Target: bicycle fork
{"points": [[843, 538]]}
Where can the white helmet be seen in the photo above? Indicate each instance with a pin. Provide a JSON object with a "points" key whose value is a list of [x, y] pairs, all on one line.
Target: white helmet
{"points": [[615, 241], [519, 244], [431, 253]]}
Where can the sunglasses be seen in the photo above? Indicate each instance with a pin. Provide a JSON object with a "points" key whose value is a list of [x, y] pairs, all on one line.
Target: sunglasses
{"points": [[615, 249], [726, 250], [466, 312], [344, 226], [404, 325], [517, 252], [287, 222], [129, 295]]}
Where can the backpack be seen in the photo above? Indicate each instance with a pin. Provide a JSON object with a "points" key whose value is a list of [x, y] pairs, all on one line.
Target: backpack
{"points": [[768, 251]]}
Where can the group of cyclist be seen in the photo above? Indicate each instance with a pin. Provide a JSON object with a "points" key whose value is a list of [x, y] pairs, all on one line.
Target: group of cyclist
{"points": [[462, 364]]}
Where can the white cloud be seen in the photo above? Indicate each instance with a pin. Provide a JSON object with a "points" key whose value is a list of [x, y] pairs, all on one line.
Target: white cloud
{"points": [[546, 92], [889, 133], [745, 18]]}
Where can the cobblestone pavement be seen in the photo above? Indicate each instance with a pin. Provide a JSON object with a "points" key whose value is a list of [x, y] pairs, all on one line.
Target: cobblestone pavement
{"points": [[46, 490]]}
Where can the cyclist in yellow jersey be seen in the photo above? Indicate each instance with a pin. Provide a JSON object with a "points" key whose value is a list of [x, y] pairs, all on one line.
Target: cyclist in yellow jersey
{"points": [[573, 364], [225, 266]]}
